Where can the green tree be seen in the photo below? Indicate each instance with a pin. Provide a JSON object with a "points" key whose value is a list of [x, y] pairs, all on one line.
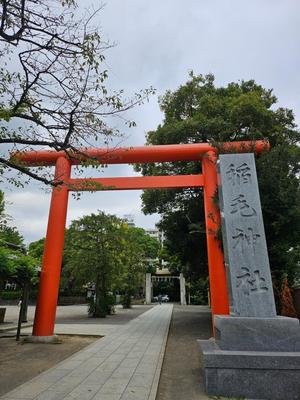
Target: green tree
{"points": [[2, 204], [5, 268], [138, 251], [15, 264], [36, 249], [198, 111], [53, 82], [22, 267], [103, 250], [10, 235], [149, 245], [92, 252]]}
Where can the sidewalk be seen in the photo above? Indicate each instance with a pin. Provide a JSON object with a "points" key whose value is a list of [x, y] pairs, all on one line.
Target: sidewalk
{"points": [[125, 365], [73, 320]]}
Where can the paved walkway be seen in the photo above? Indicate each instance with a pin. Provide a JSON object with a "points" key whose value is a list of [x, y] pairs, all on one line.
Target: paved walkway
{"points": [[73, 320], [125, 365]]}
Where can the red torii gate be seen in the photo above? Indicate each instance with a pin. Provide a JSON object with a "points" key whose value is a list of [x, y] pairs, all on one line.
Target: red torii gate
{"points": [[50, 275]]}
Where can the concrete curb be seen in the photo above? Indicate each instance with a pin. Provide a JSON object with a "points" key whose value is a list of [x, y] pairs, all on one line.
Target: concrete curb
{"points": [[154, 387], [14, 327]]}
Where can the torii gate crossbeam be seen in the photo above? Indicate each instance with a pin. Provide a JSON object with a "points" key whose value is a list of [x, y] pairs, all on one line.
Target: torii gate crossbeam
{"points": [[202, 152]]}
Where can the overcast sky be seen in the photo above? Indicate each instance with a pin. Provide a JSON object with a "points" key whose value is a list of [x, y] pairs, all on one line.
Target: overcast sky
{"points": [[157, 43]]}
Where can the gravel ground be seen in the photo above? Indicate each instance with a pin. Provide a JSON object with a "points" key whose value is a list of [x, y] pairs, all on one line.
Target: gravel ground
{"points": [[20, 361], [181, 376]]}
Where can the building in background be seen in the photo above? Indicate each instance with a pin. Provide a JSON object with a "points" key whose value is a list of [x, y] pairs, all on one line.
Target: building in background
{"points": [[155, 233], [129, 218]]}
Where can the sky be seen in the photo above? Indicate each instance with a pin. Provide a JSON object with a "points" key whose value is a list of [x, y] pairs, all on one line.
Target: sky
{"points": [[156, 44]]}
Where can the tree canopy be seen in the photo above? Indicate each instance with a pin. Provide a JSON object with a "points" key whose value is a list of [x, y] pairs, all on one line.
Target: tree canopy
{"points": [[101, 250], [53, 83], [199, 111], [15, 265]]}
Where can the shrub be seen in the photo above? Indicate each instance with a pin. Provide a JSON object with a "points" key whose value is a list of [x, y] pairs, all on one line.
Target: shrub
{"points": [[10, 295], [199, 291], [126, 300]]}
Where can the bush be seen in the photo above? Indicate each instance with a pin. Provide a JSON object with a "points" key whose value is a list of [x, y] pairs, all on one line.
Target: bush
{"points": [[126, 300], [10, 295], [106, 306], [72, 293], [199, 291]]}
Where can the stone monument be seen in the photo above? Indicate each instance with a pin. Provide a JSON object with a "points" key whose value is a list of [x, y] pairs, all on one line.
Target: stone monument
{"points": [[255, 353]]}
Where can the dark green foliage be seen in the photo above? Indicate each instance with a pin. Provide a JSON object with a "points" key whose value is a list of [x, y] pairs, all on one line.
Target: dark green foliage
{"points": [[199, 291], [126, 300], [201, 112], [36, 249], [101, 249], [171, 288], [93, 244], [15, 265], [10, 295]]}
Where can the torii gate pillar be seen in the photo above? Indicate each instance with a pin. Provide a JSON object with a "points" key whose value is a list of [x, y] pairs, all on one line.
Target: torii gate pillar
{"points": [[216, 267], [45, 313]]}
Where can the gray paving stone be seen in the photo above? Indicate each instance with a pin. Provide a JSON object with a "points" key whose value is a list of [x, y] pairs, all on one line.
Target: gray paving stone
{"points": [[108, 366], [66, 384], [50, 395], [53, 375], [141, 380], [146, 368], [135, 393], [130, 362], [98, 377], [122, 366], [114, 385], [83, 392], [124, 372], [107, 396], [69, 364], [29, 390]]}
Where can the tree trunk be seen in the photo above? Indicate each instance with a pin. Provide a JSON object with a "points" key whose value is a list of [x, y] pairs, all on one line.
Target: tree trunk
{"points": [[100, 301], [25, 298]]}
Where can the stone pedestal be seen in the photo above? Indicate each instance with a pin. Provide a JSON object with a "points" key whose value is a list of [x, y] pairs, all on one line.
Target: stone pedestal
{"points": [[257, 334], [257, 358], [264, 375]]}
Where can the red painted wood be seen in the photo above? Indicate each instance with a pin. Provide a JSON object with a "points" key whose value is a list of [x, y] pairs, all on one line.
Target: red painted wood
{"points": [[50, 275], [216, 266], [137, 182], [145, 154]]}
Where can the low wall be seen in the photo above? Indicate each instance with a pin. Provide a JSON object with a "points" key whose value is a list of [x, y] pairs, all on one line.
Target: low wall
{"points": [[68, 300], [62, 301]]}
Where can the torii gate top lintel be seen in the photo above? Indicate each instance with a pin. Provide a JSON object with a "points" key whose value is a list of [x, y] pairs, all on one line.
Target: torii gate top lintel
{"points": [[144, 154]]}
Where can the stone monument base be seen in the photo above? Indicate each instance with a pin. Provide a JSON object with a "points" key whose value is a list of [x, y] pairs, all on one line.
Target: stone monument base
{"points": [[256, 358], [266, 375], [258, 334]]}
